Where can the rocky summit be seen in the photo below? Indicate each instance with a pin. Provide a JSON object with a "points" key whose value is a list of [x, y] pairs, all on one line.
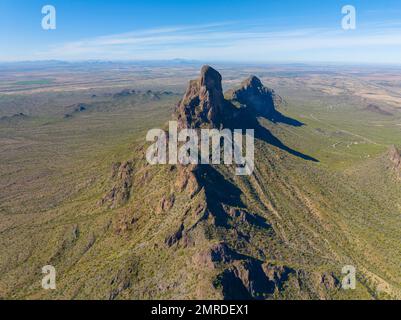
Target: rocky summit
{"points": [[203, 102], [253, 94]]}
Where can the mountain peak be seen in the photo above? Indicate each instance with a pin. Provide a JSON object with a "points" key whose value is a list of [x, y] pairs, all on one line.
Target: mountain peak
{"points": [[210, 78], [252, 93], [252, 81], [203, 101]]}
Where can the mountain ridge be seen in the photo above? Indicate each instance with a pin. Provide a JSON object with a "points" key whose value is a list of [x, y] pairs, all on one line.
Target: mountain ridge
{"points": [[222, 224], [138, 231]]}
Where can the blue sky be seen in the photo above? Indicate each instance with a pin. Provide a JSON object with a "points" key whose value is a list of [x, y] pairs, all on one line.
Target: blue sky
{"points": [[219, 30]]}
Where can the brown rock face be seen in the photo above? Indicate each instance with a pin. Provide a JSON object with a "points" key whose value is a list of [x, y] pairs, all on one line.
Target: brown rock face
{"points": [[175, 237], [204, 105], [252, 93], [166, 203], [203, 102]]}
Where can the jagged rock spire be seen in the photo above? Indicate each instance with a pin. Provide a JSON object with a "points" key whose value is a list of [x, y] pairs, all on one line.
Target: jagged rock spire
{"points": [[203, 102], [204, 105]]}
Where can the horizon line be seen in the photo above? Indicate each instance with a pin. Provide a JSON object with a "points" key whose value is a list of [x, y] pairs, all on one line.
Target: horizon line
{"points": [[206, 61]]}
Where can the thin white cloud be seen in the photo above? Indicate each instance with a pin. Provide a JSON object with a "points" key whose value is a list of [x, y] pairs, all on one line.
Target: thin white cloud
{"points": [[232, 41]]}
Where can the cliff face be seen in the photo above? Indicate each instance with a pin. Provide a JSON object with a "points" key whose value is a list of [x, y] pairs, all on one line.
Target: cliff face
{"points": [[203, 102], [253, 94]]}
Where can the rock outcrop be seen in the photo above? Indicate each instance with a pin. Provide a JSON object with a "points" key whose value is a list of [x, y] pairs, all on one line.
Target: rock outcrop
{"points": [[166, 203], [175, 237], [203, 102], [253, 94], [205, 105]]}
